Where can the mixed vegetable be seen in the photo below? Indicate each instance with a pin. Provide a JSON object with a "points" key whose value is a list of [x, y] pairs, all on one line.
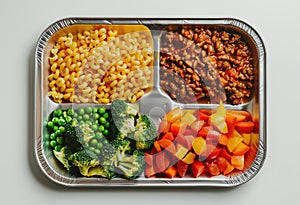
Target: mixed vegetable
{"points": [[100, 141], [120, 142], [203, 143]]}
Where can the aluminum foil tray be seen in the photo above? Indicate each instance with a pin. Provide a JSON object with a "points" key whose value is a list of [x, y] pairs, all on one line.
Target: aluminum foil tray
{"points": [[150, 102]]}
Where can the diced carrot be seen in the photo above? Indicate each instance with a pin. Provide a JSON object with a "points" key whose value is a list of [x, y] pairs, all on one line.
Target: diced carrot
{"points": [[148, 159], [244, 127], [156, 146], [185, 140], [162, 162], [229, 169], [168, 135], [149, 171], [241, 149], [224, 153], [174, 115], [206, 112], [213, 169], [178, 127], [241, 115], [197, 125], [163, 127], [209, 148], [171, 171], [208, 131], [222, 163], [182, 168], [214, 154], [230, 120], [197, 168], [223, 139], [164, 143]]}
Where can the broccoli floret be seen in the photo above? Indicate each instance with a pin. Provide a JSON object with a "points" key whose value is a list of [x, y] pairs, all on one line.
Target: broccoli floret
{"points": [[72, 137], [125, 165], [63, 156], [84, 160], [120, 109], [101, 171], [130, 166], [87, 133], [123, 117], [122, 145], [145, 132]]}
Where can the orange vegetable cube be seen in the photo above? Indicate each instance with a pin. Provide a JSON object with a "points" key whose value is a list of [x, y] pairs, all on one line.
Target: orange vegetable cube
{"points": [[237, 161], [241, 149], [181, 152], [189, 158], [174, 115], [199, 145], [197, 168]]}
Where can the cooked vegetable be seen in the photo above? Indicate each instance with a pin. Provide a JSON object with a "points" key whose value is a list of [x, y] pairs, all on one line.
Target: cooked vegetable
{"points": [[100, 141], [115, 157], [133, 125], [84, 160], [202, 142]]}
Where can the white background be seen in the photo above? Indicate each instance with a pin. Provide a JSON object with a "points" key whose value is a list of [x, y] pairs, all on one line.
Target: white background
{"points": [[21, 181]]}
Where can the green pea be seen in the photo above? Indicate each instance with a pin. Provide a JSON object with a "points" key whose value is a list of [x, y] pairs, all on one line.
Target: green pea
{"points": [[58, 133], [88, 122], [92, 149], [105, 132], [55, 120], [94, 127], [61, 122], [80, 111], [57, 148], [93, 142], [60, 140], [96, 116], [99, 135], [57, 113], [105, 141], [81, 122], [107, 125], [97, 151], [99, 145], [101, 128], [52, 136], [102, 120], [88, 109], [105, 115], [70, 112], [55, 128], [62, 129], [96, 122], [102, 110], [53, 143], [86, 117], [95, 110], [68, 119], [79, 118], [50, 124]]}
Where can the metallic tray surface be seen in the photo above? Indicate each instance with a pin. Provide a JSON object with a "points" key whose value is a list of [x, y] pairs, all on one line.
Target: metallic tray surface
{"points": [[44, 105]]}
